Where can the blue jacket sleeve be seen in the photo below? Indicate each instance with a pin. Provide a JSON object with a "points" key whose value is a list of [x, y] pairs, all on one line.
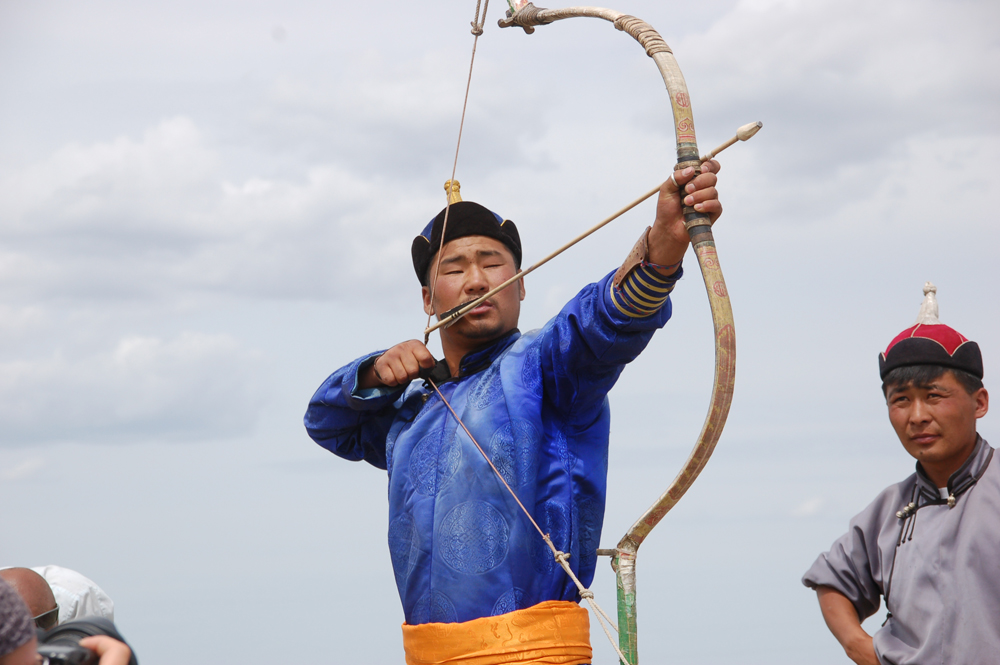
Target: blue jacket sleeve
{"points": [[584, 349], [350, 422]]}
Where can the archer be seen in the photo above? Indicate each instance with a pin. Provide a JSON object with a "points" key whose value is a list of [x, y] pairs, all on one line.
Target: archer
{"points": [[472, 573]]}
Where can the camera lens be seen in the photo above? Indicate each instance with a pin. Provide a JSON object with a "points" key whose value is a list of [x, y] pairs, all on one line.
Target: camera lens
{"points": [[61, 645]]}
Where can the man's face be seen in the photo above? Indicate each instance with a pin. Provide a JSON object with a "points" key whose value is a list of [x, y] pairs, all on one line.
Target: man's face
{"points": [[470, 267], [937, 423]]}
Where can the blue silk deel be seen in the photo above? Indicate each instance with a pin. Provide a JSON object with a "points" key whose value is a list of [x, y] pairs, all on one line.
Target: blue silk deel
{"points": [[537, 403]]}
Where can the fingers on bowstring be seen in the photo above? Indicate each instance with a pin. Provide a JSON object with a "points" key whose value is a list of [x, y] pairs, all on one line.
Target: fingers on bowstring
{"points": [[394, 370], [410, 366], [424, 357], [384, 373], [412, 361]]}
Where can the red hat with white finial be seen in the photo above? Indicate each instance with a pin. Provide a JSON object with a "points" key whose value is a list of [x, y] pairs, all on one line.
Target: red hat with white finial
{"points": [[930, 342]]}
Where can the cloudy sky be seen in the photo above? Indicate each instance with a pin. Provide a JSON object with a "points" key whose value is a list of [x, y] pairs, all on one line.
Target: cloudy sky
{"points": [[206, 207]]}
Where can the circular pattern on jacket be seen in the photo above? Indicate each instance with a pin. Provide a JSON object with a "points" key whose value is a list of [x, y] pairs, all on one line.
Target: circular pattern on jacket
{"points": [[589, 522], [488, 388], [513, 450], [428, 403], [561, 446], [403, 545], [473, 537], [553, 518], [433, 462], [565, 341], [433, 607], [531, 370], [390, 444], [511, 601], [587, 307]]}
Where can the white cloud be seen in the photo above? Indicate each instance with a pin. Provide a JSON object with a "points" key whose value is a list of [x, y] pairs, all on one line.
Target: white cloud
{"points": [[809, 507], [98, 188], [155, 216], [164, 215], [21, 323], [859, 55], [23, 469], [846, 88], [146, 388]]}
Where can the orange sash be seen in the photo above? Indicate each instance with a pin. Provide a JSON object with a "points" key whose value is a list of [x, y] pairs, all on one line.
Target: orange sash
{"points": [[556, 632]]}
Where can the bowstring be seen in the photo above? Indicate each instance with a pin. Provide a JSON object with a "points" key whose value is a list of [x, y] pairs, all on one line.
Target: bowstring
{"points": [[477, 29], [562, 558]]}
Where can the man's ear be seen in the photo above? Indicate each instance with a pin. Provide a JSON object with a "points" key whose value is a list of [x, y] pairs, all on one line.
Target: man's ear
{"points": [[520, 284], [426, 293], [982, 402]]}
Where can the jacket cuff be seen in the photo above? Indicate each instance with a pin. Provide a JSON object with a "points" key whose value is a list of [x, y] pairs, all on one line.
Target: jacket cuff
{"points": [[366, 394]]}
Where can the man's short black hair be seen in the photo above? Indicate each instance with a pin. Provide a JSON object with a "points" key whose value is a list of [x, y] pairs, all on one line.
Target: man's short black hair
{"points": [[923, 376]]}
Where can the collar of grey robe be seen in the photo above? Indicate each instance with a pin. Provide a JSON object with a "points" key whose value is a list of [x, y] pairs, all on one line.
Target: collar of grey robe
{"points": [[963, 479]]}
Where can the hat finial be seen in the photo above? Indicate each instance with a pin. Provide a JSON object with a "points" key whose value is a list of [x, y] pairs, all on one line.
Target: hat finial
{"points": [[454, 189], [928, 315]]}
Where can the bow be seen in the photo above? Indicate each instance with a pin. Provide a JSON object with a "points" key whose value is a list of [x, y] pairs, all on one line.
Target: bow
{"points": [[527, 16]]}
